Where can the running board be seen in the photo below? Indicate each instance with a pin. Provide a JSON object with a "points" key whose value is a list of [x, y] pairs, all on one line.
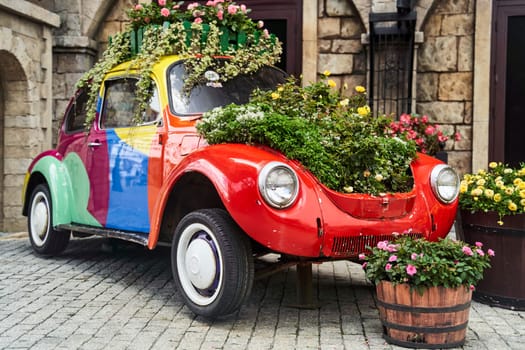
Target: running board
{"points": [[135, 237]]}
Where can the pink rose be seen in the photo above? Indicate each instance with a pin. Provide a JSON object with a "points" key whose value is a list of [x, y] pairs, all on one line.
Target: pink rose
{"points": [[392, 248], [411, 270], [243, 8], [472, 287], [457, 136], [176, 7], [211, 3], [362, 256], [405, 118], [479, 244], [413, 256], [162, 2], [490, 252], [467, 251], [392, 258], [382, 245], [430, 130], [480, 252], [232, 9], [165, 12], [138, 7], [388, 267], [365, 264], [424, 119], [220, 14], [260, 24], [198, 20], [193, 5]]}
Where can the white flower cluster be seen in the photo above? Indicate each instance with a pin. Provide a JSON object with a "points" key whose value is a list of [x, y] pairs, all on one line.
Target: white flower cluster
{"points": [[247, 113]]}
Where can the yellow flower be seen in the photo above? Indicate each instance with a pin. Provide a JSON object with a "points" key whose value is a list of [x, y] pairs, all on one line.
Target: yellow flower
{"points": [[275, 95], [365, 110], [476, 192], [521, 186], [480, 182], [522, 202], [489, 193], [512, 206], [348, 189], [463, 188], [360, 89], [493, 165], [507, 171], [500, 184], [332, 83], [326, 73], [345, 86], [344, 102], [517, 181], [509, 190], [366, 173], [500, 222], [497, 198], [379, 177], [280, 89], [522, 193]]}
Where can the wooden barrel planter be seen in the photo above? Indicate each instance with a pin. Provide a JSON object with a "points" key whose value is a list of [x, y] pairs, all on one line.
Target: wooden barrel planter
{"points": [[435, 320], [503, 284]]}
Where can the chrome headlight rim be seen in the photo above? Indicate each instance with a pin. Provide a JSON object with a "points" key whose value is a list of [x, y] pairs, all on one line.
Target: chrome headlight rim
{"points": [[435, 176], [263, 189]]}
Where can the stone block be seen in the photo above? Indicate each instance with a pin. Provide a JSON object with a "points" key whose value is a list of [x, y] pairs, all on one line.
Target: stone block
{"points": [[109, 29], [16, 166], [469, 112], [22, 121], [465, 143], [12, 196], [460, 161], [347, 46], [329, 27], [466, 54], [360, 63], [324, 46], [452, 7], [438, 54], [18, 137], [73, 63], [336, 63], [455, 86], [433, 26], [442, 112], [458, 24], [338, 8], [427, 87], [7, 38], [59, 85], [351, 28], [19, 107]]}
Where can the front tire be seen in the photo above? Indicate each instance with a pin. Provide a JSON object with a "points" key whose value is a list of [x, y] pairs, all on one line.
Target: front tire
{"points": [[212, 263], [44, 239]]}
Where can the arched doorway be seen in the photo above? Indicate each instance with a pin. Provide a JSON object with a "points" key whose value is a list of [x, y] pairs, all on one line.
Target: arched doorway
{"points": [[13, 105]]}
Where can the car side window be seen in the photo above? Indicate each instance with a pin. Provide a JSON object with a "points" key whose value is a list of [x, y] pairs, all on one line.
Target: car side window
{"points": [[76, 117], [120, 103]]}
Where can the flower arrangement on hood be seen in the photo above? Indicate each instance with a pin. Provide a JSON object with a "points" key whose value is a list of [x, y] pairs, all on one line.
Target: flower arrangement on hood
{"points": [[422, 263], [499, 188], [196, 32], [429, 137], [336, 138]]}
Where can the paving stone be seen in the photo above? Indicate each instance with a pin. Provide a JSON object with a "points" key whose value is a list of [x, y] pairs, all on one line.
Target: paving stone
{"points": [[90, 299]]}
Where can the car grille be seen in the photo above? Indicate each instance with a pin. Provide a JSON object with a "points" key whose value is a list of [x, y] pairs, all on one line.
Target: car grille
{"points": [[351, 247]]}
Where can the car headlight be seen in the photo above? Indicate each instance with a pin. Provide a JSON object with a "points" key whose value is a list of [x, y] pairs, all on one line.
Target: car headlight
{"points": [[278, 185], [445, 183]]}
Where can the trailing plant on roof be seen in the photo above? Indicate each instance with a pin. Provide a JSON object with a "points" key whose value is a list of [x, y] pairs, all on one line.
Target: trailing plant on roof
{"points": [[197, 33]]}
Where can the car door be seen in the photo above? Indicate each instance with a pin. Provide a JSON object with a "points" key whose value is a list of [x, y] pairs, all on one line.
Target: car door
{"points": [[123, 159]]}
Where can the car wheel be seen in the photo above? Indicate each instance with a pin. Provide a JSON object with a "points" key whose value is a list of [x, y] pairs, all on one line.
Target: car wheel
{"points": [[212, 263], [44, 239]]}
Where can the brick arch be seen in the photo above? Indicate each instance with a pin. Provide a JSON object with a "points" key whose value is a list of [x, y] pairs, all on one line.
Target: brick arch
{"points": [[13, 95]]}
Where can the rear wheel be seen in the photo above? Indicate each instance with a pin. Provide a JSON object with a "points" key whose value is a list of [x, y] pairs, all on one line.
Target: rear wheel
{"points": [[212, 263], [44, 239]]}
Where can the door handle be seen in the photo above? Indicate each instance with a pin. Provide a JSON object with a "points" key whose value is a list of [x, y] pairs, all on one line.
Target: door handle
{"points": [[94, 144]]}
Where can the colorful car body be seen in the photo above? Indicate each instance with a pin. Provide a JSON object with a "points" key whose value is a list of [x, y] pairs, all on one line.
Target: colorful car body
{"points": [[216, 205]]}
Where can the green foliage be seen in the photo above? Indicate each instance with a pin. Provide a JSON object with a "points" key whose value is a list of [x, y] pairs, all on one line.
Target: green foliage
{"points": [[172, 29], [500, 189], [422, 263], [335, 138]]}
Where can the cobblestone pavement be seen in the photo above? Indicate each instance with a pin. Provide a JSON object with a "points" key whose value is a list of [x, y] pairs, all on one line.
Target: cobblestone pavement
{"points": [[91, 297]]}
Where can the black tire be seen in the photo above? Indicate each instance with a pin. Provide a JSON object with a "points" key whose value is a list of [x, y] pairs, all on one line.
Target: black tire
{"points": [[219, 277], [44, 239]]}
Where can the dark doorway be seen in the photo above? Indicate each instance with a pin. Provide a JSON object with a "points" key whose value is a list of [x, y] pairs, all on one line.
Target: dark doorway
{"points": [[284, 18], [507, 125]]}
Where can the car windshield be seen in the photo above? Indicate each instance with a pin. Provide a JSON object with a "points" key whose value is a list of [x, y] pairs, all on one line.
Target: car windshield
{"points": [[206, 96]]}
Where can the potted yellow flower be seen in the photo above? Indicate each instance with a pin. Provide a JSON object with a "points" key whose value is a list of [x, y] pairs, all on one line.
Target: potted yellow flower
{"points": [[492, 203]]}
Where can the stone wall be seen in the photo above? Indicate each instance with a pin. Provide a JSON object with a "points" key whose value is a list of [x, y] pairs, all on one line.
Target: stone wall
{"points": [[339, 44], [445, 74], [25, 99]]}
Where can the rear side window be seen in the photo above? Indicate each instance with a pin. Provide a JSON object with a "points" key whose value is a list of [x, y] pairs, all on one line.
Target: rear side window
{"points": [[76, 117]]}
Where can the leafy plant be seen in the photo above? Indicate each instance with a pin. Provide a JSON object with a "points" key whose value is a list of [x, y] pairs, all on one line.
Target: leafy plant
{"points": [[195, 32], [335, 138], [422, 263], [428, 137], [500, 189]]}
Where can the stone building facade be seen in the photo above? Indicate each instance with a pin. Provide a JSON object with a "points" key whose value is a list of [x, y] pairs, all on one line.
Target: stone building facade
{"points": [[51, 43]]}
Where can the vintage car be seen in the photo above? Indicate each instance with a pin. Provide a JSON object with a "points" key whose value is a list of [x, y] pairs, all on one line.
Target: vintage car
{"points": [[218, 206]]}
